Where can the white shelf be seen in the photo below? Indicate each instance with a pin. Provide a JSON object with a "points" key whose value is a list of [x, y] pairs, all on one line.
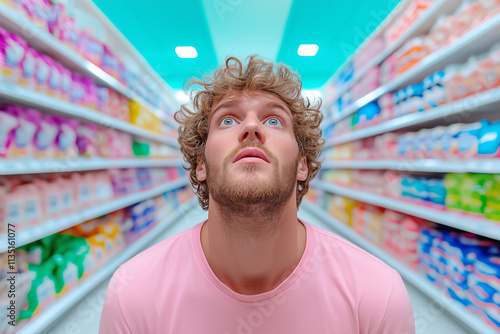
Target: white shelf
{"points": [[421, 26], [46, 319], [46, 43], [479, 226], [52, 226], [35, 166], [454, 308], [487, 166], [474, 42], [39, 101], [459, 111]]}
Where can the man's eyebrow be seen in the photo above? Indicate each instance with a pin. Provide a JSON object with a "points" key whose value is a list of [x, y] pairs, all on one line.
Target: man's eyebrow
{"points": [[274, 104], [227, 104]]}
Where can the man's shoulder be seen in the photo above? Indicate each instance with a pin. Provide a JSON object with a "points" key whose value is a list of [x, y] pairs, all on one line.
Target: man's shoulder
{"points": [[349, 254]]}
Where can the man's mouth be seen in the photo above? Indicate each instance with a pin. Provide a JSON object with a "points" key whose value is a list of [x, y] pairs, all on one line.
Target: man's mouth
{"points": [[251, 155]]}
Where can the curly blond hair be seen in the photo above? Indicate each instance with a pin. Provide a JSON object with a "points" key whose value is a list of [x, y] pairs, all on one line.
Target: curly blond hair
{"points": [[256, 75]]}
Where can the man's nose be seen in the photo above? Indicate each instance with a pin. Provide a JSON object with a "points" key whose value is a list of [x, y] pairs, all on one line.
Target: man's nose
{"points": [[252, 129]]}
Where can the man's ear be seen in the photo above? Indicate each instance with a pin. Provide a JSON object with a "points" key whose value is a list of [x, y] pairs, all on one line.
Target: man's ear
{"points": [[201, 170], [302, 169]]}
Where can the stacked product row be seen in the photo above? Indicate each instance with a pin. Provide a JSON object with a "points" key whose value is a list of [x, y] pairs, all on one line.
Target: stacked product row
{"points": [[28, 133], [474, 195], [375, 46], [50, 267], [447, 29], [58, 18], [23, 66], [28, 200], [464, 265], [456, 82], [457, 141]]}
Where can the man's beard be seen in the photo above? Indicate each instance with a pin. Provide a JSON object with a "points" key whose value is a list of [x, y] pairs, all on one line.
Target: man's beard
{"points": [[252, 196]]}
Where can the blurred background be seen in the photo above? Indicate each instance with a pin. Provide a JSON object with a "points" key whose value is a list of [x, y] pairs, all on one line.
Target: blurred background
{"points": [[91, 171]]}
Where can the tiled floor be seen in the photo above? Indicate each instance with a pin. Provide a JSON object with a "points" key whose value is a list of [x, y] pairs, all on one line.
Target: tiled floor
{"points": [[84, 318]]}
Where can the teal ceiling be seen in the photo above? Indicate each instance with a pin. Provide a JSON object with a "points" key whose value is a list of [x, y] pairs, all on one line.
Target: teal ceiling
{"points": [[220, 28]]}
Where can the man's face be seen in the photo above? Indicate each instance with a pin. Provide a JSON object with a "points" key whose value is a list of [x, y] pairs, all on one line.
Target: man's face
{"points": [[252, 156]]}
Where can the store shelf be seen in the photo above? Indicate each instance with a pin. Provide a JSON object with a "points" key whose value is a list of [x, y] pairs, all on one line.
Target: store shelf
{"points": [[486, 166], [466, 319], [35, 166], [25, 97], [479, 226], [48, 44], [421, 26], [52, 226], [460, 111], [49, 316], [477, 41]]}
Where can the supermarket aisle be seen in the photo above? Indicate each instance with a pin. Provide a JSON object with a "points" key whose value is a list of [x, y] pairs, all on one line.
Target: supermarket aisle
{"points": [[430, 318], [84, 318]]}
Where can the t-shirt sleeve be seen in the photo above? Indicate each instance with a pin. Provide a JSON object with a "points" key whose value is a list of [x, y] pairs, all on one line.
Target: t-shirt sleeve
{"points": [[398, 318], [112, 318]]}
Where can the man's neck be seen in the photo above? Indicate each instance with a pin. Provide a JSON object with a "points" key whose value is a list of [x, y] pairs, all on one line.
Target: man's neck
{"points": [[253, 253]]}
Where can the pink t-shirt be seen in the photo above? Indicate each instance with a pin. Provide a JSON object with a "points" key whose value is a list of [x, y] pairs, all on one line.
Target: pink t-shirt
{"points": [[336, 288]]}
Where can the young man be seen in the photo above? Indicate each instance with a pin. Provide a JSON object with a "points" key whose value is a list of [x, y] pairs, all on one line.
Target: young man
{"points": [[252, 144]]}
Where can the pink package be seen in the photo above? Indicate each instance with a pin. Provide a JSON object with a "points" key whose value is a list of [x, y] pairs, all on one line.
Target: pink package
{"points": [[32, 203], [14, 50], [14, 207], [55, 14], [67, 194], [50, 198], [8, 125], [386, 104], [374, 47], [69, 33], [66, 137], [66, 80], [45, 137], [85, 139], [77, 89], [84, 189], [36, 9], [393, 184], [28, 69], [42, 72], [54, 85], [29, 120], [92, 49], [388, 69], [90, 98], [111, 63], [103, 100], [103, 186], [125, 145]]}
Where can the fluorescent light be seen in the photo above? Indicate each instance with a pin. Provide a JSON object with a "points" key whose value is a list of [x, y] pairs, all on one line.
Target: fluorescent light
{"points": [[182, 97], [186, 52], [307, 50]]}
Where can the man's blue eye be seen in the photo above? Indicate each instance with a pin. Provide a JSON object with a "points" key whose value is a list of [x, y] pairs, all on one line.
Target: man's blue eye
{"points": [[227, 121], [274, 122]]}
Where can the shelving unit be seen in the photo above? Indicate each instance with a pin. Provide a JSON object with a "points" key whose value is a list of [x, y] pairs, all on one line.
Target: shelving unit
{"points": [[484, 227], [452, 307], [45, 320], [35, 166], [476, 105], [39, 101], [486, 166], [48, 44], [423, 24], [476, 41], [52, 226]]}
